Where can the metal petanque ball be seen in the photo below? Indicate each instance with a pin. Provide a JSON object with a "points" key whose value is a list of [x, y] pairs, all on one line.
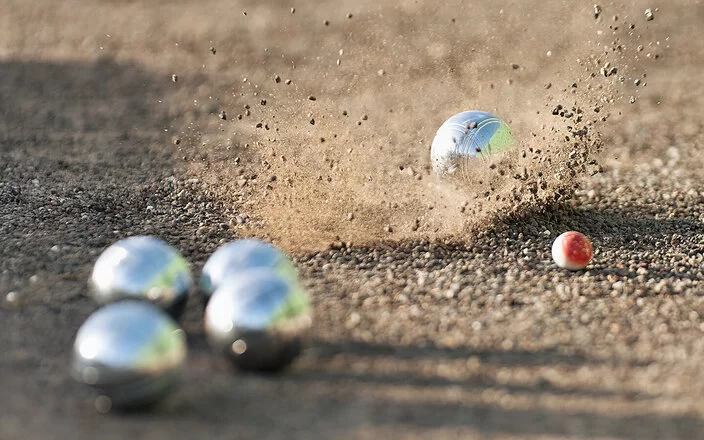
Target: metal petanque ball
{"points": [[258, 319], [465, 137], [240, 255], [131, 352], [143, 268]]}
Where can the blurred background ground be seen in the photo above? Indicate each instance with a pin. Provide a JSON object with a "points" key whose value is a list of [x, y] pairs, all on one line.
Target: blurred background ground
{"points": [[419, 333]]}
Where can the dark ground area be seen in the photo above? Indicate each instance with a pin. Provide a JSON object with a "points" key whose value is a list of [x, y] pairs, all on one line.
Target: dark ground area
{"points": [[415, 336]]}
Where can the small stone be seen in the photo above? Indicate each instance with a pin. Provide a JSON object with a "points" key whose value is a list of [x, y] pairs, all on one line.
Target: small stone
{"points": [[212, 49], [311, 98], [277, 79], [649, 16], [353, 320], [388, 229], [597, 11], [13, 298], [174, 78], [223, 115]]}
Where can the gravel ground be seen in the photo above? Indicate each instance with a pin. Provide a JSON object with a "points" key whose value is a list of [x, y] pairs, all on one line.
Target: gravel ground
{"points": [[420, 333]]}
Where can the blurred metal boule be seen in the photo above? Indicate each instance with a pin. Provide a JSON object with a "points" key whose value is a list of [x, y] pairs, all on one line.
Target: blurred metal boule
{"points": [[131, 352], [258, 319], [144, 268], [240, 255]]}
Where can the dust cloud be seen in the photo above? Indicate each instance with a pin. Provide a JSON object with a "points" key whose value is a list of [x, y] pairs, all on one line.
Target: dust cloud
{"points": [[327, 140]]}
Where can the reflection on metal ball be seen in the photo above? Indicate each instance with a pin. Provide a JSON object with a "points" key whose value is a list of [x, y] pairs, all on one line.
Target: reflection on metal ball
{"points": [[258, 319], [466, 136], [240, 255], [131, 352], [143, 268]]}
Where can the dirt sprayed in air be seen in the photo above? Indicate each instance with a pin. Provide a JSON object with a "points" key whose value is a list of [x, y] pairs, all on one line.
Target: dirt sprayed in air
{"points": [[332, 144]]}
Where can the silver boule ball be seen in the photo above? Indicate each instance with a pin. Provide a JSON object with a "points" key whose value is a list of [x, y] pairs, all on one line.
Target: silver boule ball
{"points": [[240, 255], [131, 352], [258, 319], [144, 268], [466, 136]]}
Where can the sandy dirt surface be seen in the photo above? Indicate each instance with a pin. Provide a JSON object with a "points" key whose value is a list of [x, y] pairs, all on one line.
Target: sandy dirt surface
{"points": [[438, 310]]}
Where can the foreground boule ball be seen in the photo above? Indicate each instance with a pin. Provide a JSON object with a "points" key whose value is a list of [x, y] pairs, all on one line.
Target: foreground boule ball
{"points": [[144, 268], [466, 136], [258, 319], [131, 352], [572, 250], [241, 255]]}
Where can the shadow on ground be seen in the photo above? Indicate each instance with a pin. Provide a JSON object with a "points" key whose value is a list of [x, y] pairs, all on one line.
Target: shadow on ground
{"points": [[343, 400], [85, 159], [84, 162], [638, 235]]}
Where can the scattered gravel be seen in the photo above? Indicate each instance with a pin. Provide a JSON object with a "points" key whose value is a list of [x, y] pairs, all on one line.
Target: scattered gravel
{"points": [[433, 335]]}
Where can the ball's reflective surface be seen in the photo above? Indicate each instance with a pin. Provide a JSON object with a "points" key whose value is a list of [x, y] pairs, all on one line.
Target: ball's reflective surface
{"points": [[143, 268], [234, 257], [466, 136], [131, 352], [258, 319]]}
